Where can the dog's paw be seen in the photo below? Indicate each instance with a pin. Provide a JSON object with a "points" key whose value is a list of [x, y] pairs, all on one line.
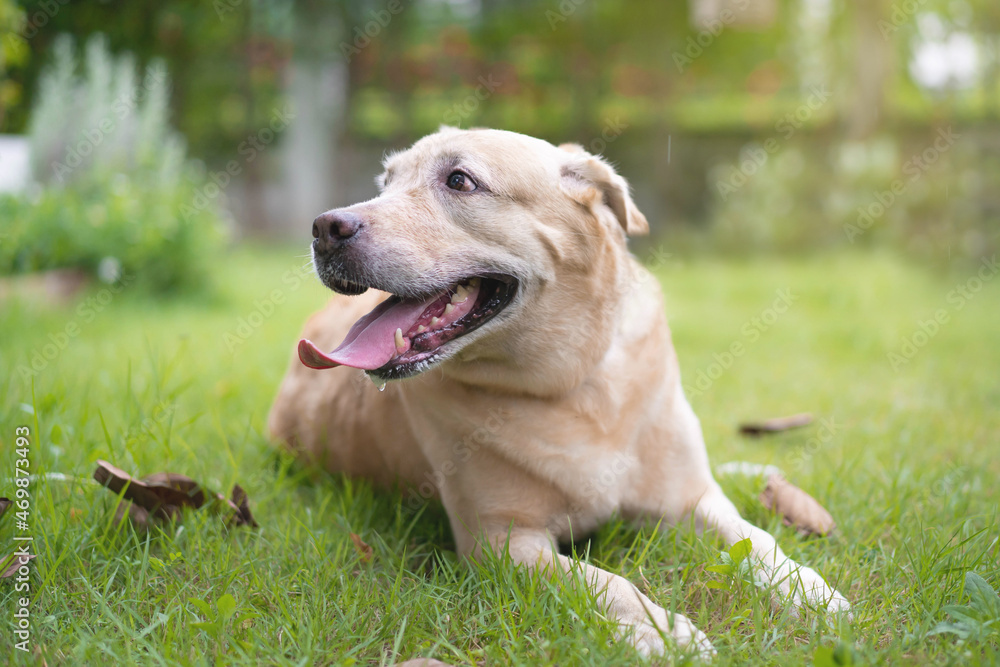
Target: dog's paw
{"points": [[647, 634], [803, 586]]}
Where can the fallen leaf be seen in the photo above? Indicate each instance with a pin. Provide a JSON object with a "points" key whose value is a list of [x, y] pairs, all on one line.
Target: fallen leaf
{"points": [[364, 549], [40, 656], [12, 567], [161, 499], [243, 515], [776, 425], [139, 516], [227, 506], [162, 495], [4, 504], [177, 482], [796, 507]]}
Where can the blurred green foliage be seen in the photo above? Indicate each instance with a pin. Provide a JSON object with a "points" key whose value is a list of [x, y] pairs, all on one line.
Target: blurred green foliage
{"points": [[568, 70], [113, 190], [225, 68], [13, 53], [934, 194], [558, 67]]}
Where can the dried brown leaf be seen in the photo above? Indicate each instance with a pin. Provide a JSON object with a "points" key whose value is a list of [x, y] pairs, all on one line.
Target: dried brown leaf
{"points": [[796, 507], [363, 548], [139, 516], [162, 495], [4, 504], [18, 560], [776, 425], [161, 499], [242, 502], [177, 482]]}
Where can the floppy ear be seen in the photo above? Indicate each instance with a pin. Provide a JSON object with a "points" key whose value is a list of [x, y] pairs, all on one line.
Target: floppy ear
{"points": [[591, 181]]}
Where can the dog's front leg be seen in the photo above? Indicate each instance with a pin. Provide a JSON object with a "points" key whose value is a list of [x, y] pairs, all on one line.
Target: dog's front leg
{"points": [[796, 583], [639, 620]]}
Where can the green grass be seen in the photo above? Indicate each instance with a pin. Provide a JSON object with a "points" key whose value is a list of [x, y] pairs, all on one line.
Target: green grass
{"points": [[909, 472]]}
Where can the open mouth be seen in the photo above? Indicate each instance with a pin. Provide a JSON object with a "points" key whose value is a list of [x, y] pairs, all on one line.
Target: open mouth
{"points": [[402, 337]]}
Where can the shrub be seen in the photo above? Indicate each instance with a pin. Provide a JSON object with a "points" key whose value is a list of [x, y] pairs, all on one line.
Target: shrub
{"points": [[113, 190], [927, 194]]}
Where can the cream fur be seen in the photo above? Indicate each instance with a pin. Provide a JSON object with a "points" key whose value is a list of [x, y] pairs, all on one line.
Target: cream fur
{"points": [[559, 413]]}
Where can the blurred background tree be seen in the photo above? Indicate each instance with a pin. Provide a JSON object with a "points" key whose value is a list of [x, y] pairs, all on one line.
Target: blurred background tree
{"points": [[13, 54], [743, 125]]}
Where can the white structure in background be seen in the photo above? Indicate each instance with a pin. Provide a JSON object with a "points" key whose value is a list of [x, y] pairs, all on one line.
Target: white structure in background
{"points": [[15, 163], [716, 15], [318, 94], [811, 41], [943, 58]]}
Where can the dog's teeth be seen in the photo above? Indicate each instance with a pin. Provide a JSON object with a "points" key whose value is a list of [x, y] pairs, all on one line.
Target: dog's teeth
{"points": [[400, 344], [460, 295], [434, 321], [421, 329], [447, 309]]}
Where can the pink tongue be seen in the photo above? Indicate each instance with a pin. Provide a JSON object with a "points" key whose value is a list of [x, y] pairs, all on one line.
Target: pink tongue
{"points": [[371, 342]]}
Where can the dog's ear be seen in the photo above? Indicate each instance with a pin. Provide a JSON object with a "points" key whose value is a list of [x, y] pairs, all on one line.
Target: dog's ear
{"points": [[593, 182]]}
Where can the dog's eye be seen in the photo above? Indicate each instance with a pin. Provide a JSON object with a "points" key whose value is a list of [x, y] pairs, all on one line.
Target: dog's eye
{"points": [[459, 181]]}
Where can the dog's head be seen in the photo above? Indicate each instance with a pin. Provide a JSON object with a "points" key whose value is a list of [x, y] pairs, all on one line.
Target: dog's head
{"points": [[502, 252]]}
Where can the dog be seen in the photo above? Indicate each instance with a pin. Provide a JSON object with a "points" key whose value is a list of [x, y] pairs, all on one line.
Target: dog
{"points": [[523, 370]]}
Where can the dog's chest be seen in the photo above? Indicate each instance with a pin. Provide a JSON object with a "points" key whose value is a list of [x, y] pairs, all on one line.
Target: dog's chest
{"points": [[594, 479], [593, 469]]}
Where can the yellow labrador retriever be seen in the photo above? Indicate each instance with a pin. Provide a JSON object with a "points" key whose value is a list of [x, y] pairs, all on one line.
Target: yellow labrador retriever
{"points": [[538, 390]]}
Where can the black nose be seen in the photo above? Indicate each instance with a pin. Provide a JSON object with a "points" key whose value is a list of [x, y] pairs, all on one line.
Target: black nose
{"points": [[333, 228]]}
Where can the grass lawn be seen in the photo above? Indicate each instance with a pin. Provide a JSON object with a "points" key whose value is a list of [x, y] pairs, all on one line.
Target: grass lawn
{"points": [[904, 458]]}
